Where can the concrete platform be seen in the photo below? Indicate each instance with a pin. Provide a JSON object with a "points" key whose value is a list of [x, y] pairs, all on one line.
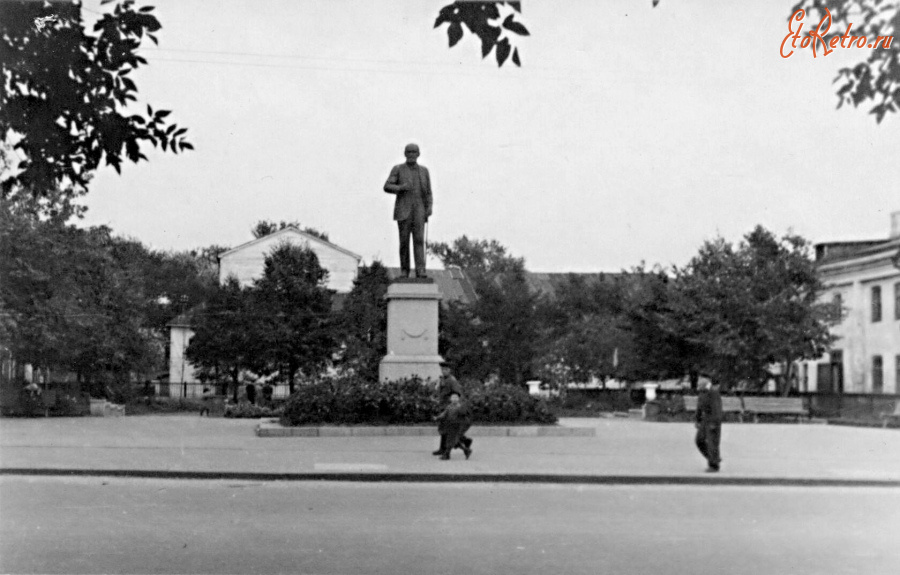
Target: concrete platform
{"points": [[620, 451]]}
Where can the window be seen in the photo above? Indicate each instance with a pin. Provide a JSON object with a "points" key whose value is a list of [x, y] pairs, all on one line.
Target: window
{"points": [[897, 374], [838, 302], [897, 300], [877, 374], [876, 303]]}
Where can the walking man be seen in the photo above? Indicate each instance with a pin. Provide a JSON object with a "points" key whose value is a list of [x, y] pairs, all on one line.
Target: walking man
{"points": [[411, 183], [709, 425], [447, 387]]}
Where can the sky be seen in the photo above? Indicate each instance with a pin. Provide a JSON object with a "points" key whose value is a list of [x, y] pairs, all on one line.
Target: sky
{"points": [[630, 134]]}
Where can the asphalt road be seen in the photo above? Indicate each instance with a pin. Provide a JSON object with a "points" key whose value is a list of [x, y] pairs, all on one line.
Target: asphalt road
{"points": [[95, 525]]}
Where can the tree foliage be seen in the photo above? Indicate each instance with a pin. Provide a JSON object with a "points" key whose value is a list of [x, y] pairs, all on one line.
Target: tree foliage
{"points": [[88, 302], [66, 103], [266, 227], [224, 344], [497, 334], [583, 337], [482, 257], [743, 308], [876, 81], [483, 20], [74, 300], [293, 308], [363, 322]]}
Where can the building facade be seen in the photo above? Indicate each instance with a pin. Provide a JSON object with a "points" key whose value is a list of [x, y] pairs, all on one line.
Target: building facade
{"points": [[863, 279]]}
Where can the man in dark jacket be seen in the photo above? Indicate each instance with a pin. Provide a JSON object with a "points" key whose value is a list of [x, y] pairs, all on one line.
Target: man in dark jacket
{"points": [[709, 425], [447, 386], [453, 423]]}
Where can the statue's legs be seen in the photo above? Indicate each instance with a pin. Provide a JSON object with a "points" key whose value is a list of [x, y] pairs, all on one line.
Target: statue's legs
{"points": [[413, 226]]}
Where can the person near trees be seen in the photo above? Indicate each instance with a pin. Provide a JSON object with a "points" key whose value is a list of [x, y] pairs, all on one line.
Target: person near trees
{"points": [[709, 425], [411, 183], [447, 386]]}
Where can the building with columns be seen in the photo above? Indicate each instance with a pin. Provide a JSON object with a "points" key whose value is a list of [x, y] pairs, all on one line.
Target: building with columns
{"points": [[863, 278]]}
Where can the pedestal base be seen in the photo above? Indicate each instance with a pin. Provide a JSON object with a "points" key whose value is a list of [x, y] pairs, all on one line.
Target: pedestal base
{"points": [[394, 367], [412, 331]]}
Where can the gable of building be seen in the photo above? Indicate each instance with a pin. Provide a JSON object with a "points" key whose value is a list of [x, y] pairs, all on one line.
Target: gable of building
{"points": [[247, 261]]}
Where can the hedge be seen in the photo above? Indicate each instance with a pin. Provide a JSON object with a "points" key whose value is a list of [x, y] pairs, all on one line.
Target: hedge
{"points": [[351, 400]]}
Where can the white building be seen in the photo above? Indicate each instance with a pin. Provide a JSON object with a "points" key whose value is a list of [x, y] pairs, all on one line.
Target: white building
{"points": [[246, 262], [863, 278]]}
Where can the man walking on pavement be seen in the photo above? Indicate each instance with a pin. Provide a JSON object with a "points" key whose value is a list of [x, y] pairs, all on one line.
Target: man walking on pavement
{"points": [[447, 386], [709, 425]]}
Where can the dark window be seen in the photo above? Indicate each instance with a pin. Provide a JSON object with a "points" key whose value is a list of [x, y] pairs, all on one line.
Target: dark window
{"points": [[838, 303], [877, 374], [837, 370], [897, 374], [876, 303], [897, 300]]}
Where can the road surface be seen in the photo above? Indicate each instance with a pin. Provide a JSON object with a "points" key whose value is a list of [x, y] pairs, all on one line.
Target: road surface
{"points": [[97, 525]]}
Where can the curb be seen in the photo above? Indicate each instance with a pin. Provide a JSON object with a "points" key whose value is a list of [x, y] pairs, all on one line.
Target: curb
{"points": [[277, 430], [526, 478]]}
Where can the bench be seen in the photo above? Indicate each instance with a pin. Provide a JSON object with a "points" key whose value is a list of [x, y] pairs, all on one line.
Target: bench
{"points": [[888, 417], [775, 406], [730, 404]]}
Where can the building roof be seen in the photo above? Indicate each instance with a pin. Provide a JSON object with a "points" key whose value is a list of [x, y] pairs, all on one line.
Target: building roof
{"points": [[453, 284], [291, 230], [550, 283], [843, 256]]}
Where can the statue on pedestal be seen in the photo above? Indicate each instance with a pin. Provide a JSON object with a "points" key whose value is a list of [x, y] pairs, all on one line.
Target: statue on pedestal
{"points": [[411, 183]]}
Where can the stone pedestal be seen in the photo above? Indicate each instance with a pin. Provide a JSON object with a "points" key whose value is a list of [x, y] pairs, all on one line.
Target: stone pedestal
{"points": [[412, 331]]}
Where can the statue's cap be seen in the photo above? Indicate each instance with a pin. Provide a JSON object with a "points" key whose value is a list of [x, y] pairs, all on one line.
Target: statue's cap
{"points": [[411, 148]]}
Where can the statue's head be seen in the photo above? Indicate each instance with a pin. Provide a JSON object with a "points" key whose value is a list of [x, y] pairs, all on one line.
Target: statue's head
{"points": [[412, 153]]}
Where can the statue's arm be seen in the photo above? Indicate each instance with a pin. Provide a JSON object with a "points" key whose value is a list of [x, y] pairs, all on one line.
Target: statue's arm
{"points": [[428, 199], [392, 185]]}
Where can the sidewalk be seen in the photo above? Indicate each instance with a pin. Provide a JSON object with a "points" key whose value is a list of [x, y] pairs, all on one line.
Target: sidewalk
{"points": [[621, 451]]}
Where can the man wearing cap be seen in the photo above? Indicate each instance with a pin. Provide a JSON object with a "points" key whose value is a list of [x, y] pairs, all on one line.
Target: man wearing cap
{"points": [[448, 386], [411, 183]]}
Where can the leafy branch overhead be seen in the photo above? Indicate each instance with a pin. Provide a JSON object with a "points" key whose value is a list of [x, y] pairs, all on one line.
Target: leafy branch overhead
{"points": [[480, 18], [66, 106], [877, 80]]}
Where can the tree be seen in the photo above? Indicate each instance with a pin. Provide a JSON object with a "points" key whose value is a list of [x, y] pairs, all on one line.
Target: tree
{"points": [[363, 321], [582, 329], [655, 352], [266, 227], [877, 80], [496, 334], [175, 282], [291, 299], [224, 343], [743, 308], [65, 102], [74, 300], [476, 256]]}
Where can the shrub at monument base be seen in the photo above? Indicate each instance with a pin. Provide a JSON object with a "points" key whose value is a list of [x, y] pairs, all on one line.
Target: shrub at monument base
{"points": [[352, 400], [250, 411]]}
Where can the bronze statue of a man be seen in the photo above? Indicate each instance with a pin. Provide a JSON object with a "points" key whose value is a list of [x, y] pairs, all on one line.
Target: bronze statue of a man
{"points": [[411, 184]]}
